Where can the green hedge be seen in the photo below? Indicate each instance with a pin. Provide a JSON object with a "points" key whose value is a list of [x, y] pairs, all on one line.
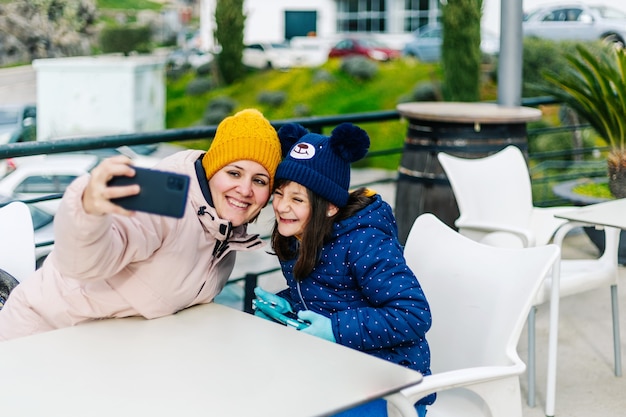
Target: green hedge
{"points": [[126, 39]]}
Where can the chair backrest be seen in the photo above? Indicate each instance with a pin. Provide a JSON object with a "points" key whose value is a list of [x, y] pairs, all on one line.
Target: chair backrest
{"points": [[479, 295], [493, 189], [17, 240]]}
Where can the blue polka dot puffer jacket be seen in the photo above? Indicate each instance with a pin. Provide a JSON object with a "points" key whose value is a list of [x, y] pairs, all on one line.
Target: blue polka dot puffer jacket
{"points": [[363, 284]]}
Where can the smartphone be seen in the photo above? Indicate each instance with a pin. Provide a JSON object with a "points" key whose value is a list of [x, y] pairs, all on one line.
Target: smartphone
{"points": [[288, 319], [163, 193]]}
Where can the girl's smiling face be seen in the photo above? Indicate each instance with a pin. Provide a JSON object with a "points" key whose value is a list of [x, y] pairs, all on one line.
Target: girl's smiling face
{"points": [[292, 209], [240, 190]]}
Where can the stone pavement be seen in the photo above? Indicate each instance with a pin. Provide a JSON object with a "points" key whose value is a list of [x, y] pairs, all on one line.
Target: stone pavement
{"points": [[586, 385]]}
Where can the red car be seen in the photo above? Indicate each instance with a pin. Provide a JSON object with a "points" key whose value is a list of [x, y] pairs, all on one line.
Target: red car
{"points": [[367, 47]]}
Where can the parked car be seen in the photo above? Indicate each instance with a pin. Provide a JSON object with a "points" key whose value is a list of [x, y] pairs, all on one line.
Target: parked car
{"points": [[17, 123], [271, 55], [427, 41], [193, 57], [363, 46], [313, 50], [45, 175], [578, 22]]}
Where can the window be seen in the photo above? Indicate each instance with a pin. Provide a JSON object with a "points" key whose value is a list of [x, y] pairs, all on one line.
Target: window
{"points": [[417, 13], [375, 16], [361, 16], [48, 184]]}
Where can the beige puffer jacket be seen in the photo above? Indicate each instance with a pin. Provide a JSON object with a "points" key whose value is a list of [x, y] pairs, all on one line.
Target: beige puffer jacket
{"points": [[114, 266]]}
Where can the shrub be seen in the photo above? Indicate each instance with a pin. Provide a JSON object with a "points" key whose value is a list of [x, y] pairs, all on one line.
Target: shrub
{"points": [[199, 86], [556, 142], [301, 110], [427, 91], [126, 39], [205, 69], [322, 76], [359, 67], [272, 98], [218, 109], [545, 55], [174, 73]]}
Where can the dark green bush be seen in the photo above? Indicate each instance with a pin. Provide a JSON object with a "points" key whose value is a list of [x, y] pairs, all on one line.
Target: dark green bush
{"points": [[126, 39], [427, 91], [272, 98], [541, 55], [322, 76], [359, 67], [174, 73], [205, 69], [199, 86], [301, 110], [555, 142], [218, 109]]}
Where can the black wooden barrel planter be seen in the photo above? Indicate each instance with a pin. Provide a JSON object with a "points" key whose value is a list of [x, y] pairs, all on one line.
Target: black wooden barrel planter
{"points": [[468, 130]]}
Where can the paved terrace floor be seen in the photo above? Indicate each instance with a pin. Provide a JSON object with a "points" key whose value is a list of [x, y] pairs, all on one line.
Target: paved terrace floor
{"points": [[586, 385]]}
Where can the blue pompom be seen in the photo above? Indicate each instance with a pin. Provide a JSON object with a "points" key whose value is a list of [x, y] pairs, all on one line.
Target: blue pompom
{"points": [[289, 134], [350, 142]]}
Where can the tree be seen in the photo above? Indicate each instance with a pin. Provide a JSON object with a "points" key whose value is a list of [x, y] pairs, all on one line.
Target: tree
{"points": [[229, 25], [461, 55]]}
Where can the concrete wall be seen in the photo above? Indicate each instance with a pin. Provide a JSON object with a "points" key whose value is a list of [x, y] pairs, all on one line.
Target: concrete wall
{"points": [[102, 95]]}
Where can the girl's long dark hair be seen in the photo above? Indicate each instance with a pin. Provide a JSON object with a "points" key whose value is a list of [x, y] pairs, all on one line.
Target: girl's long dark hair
{"points": [[316, 231]]}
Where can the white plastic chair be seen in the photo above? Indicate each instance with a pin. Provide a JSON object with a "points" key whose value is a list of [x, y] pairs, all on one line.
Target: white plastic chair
{"points": [[17, 246], [494, 197], [480, 297]]}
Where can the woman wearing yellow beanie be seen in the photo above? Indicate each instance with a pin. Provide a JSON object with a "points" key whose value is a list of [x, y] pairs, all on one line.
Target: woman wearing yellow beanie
{"points": [[110, 262]]}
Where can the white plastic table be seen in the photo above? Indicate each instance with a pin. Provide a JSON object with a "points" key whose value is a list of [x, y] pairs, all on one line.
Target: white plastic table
{"points": [[608, 213], [208, 360]]}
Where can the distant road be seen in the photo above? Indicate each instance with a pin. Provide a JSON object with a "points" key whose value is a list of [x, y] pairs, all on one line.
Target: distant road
{"points": [[18, 85]]}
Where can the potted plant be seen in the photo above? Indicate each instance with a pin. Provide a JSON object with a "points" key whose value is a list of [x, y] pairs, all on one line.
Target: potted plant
{"points": [[594, 85]]}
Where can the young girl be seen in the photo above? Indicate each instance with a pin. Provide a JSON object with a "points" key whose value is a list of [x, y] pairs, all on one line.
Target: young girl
{"points": [[109, 262], [341, 257]]}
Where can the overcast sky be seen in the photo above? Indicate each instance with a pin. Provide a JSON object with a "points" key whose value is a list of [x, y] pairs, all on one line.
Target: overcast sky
{"points": [[491, 9]]}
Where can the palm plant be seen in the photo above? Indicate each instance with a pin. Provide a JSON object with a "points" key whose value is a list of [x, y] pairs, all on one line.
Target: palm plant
{"points": [[594, 85]]}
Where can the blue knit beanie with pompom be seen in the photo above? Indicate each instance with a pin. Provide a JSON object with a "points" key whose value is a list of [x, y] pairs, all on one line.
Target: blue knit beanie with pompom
{"points": [[321, 163]]}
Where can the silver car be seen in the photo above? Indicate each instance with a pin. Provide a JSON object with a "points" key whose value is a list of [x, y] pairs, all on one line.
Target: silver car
{"points": [[578, 22], [427, 41]]}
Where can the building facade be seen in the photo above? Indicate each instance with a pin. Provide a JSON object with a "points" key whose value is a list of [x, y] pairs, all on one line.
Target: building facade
{"points": [[279, 20]]}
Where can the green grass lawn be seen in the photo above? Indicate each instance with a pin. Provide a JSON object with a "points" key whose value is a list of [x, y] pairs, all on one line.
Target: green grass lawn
{"points": [[129, 5], [339, 94]]}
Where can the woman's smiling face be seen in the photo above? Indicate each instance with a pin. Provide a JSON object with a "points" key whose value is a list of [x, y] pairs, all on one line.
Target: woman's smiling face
{"points": [[240, 190]]}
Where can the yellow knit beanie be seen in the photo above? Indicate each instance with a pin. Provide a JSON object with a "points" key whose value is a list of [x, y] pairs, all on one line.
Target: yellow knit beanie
{"points": [[245, 136]]}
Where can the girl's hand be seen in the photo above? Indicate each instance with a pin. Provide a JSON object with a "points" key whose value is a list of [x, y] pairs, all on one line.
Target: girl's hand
{"points": [[282, 305], [320, 326]]}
